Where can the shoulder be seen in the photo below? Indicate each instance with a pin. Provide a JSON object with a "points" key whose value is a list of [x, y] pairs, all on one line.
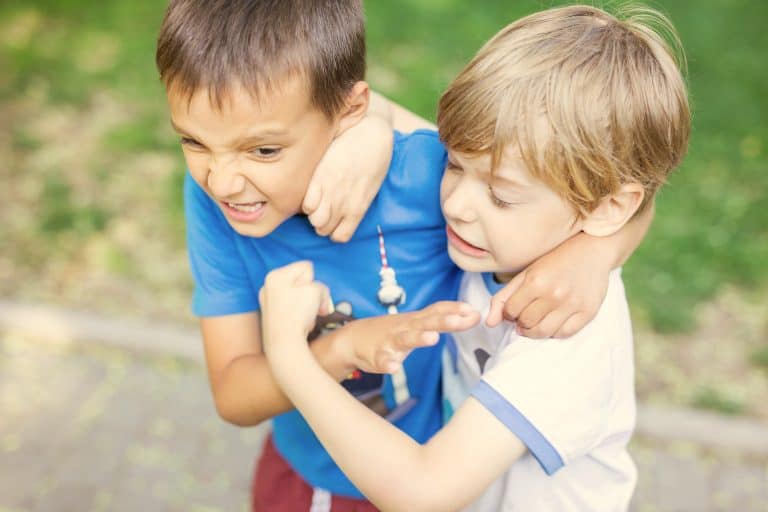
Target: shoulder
{"points": [[612, 319], [413, 180], [191, 189], [584, 387], [423, 136], [426, 142], [584, 365], [196, 201], [418, 149], [610, 327], [203, 218]]}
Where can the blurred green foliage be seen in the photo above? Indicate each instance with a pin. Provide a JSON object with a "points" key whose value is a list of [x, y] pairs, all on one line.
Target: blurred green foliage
{"points": [[759, 358], [711, 227], [715, 400]]}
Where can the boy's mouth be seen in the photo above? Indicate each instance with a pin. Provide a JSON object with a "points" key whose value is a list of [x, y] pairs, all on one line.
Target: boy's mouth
{"points": [[462, 245], [244, 212]]}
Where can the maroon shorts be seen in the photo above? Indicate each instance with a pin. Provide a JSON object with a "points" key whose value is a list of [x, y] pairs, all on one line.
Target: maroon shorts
{"points": [[278, 488]]}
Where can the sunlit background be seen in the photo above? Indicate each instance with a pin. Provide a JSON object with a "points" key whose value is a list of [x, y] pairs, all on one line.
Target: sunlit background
{"points": [[92, 218]]}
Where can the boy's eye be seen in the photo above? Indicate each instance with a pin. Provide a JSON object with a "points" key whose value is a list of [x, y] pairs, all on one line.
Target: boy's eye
{"points": [[266, 152], [498, 202], [186, 141]]}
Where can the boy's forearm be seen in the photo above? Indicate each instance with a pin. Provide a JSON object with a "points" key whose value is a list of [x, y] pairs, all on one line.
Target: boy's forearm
{"points": [[398, 117], [389, 467], [633, 233], [266, 399], [383, 462], [615, 250]]}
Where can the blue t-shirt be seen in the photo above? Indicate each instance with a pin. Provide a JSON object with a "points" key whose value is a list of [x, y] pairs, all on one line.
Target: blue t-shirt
{"points": [[229, 270]]}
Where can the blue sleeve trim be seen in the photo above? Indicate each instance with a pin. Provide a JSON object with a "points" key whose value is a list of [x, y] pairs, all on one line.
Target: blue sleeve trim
{"points": [[508, 414]]}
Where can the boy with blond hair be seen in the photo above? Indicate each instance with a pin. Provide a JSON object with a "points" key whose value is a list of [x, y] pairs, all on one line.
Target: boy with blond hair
{"points": [[567, 121], [261, 92]]}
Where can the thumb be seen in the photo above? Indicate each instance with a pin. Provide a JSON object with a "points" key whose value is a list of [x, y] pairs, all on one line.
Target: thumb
{"points": [[298, 274], [312, 198], [495, 313], [326, 302]]}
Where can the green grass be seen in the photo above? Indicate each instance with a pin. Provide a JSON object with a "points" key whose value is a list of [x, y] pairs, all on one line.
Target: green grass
{"points": [[714, 400], [759, 358], [711, 227], [59, 213]]}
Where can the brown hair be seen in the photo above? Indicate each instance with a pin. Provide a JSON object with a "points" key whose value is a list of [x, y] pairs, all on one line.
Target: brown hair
{"points": [[216, 44], [609, 91]]}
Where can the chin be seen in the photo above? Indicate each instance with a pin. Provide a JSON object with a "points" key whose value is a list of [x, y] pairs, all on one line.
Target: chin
{"points": [[469, 263], [258, 229]]}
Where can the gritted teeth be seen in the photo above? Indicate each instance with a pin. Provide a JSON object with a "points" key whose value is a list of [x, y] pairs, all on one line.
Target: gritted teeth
{"points": [[246, 207]]}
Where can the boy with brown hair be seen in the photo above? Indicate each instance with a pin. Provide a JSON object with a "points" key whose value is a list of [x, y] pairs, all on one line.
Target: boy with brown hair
{"points": [[567, 121], [259, 91]]}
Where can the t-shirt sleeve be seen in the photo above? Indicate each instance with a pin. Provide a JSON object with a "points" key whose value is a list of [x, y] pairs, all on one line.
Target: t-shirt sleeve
{"points": [[221, 279], [553, 395]]}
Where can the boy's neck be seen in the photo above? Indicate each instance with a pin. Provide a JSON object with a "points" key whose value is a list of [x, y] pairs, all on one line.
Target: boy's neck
{"points": [[504, 277]]}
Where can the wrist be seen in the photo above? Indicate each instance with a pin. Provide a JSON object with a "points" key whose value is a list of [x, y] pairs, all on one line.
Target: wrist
{"points": [[343, 351], [603, 251], [335, 353], [284, 350], [282, 343], [287, 362]]}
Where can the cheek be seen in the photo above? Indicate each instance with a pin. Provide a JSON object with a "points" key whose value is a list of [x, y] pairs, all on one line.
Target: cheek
{"points": [[286, 184], [198, 166], [447, 185]]}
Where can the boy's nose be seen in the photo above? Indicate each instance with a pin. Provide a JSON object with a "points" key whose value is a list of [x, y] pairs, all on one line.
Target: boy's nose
{"points": [[225, 178], [458, 204]]}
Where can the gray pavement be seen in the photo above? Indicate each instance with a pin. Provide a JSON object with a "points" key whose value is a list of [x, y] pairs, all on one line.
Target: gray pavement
{"points": [[91, 428], [88, 427]]}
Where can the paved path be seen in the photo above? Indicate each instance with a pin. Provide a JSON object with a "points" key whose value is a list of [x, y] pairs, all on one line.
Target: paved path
{"points": [[85, 427]]}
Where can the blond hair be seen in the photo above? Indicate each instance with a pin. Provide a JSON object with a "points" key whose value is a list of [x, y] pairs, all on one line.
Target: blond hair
{"points": [[610, 90]]}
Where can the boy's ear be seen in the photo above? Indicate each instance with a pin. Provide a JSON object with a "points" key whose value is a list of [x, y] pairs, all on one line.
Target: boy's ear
{"points": [[355, 106], [614, 211]]}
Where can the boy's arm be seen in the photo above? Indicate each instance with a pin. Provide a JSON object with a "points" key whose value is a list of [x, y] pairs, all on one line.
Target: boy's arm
{"points": [[403, 120], [561, 292], [245, 391], [349, 175], [396, 116], [389, 467]]}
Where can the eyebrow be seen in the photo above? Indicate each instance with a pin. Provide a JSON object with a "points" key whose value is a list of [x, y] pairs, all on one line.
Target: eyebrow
{"points": [[495, 177], [508, 181], [245, 140], [178, 128]]}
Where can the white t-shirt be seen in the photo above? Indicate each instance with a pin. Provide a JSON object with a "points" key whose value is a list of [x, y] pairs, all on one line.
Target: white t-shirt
{"points": [[571, 402]]}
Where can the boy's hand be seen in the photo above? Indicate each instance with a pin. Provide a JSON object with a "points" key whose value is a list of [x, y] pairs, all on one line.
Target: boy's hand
{"points": [[348, 178], [380, 344], [554, 296], [561, 292], [290, 301]]}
